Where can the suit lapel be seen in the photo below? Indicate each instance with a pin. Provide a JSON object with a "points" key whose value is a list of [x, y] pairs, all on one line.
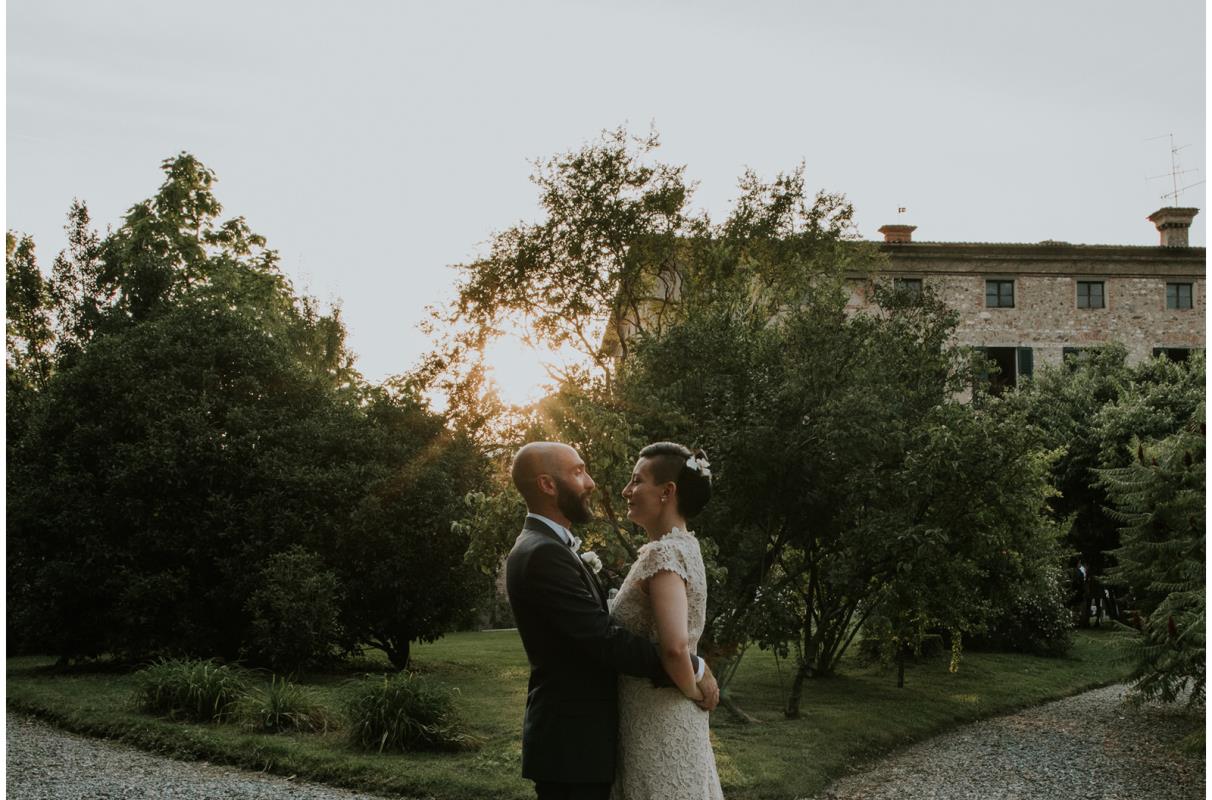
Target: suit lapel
{"points": [[591, 580]]}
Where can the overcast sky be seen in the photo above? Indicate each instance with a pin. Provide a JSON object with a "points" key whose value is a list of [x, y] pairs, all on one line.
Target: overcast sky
{"points": [[376, 143]]}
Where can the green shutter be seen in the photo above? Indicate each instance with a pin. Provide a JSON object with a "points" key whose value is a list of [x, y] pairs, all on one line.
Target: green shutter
{"points": [[1026, 362]]}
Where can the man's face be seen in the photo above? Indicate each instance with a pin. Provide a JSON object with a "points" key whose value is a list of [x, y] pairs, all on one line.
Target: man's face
{"points": [[574, 487]]}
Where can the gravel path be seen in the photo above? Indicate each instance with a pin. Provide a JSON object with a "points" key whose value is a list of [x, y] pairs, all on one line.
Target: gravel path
{"points": [[1090, 746], [48, 764]]}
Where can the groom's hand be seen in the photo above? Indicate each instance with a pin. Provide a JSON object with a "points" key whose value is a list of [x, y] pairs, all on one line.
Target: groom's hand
{"points": [[710, 690]]}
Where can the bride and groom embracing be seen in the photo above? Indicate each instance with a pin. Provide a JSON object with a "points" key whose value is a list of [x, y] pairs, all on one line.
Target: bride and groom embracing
{"points": [[617, 701]]}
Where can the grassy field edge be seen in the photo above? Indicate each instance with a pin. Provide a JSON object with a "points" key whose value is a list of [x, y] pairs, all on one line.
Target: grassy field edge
{"points": [[745, 753]]}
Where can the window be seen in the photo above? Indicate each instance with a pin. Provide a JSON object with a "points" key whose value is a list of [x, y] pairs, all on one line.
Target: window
{"points": [[911, 285], [1178, 295], [1090, 294], [999, 294], [1172, 353], [1070, 356], [1013, 364]]}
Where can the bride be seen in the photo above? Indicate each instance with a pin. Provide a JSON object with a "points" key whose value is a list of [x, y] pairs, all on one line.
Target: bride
{"points": [[663, 748]]}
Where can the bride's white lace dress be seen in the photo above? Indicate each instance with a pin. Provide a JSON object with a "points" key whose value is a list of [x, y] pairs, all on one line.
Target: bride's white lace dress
{"points": [[664, 746]]}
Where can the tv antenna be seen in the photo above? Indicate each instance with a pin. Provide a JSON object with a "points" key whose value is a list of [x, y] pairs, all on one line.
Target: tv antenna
{"points": [[1175, 170]]}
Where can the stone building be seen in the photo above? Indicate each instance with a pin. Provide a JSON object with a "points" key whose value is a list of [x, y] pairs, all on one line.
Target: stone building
{"points": [[1031, 304]]}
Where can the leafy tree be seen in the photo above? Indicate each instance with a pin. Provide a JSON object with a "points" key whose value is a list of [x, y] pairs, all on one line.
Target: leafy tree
{"points": [[737, 336], [28, 336], [611, 229], [1089, 410], [293, 612], [1062, 403], [401, 557], [198, 420], [158, 473], [1159, 500]]}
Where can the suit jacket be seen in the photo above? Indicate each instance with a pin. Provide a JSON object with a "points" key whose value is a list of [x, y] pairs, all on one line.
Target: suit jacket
{"points": [[571, 725]]}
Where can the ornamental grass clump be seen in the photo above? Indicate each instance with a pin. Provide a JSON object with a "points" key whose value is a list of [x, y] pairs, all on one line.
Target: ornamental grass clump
{"points": [[283, 706], [190, 689], [404, 712]]}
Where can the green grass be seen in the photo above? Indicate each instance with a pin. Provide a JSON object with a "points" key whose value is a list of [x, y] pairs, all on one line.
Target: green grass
{"points": [[845, 722]]}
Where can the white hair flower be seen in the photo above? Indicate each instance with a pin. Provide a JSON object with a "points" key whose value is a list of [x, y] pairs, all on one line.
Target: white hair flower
{"points": [[699, 464], [592, 561]]}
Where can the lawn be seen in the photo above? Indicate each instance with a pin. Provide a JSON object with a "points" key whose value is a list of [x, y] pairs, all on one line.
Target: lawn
{"points": [[845, 722]]}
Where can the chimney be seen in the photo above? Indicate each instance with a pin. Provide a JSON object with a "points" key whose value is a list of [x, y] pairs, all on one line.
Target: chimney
{"points": [[1172, 223], [902, 234]]}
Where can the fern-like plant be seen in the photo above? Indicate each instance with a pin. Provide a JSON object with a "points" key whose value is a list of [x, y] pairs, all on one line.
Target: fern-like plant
{"points": [[1158, 501]]}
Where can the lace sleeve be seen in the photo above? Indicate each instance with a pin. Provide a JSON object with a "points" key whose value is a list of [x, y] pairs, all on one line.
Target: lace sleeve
{"points": [[663, 554]]}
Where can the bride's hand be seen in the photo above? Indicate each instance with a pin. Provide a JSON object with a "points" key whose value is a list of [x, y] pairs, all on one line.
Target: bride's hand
{"points": [[710, 690]]}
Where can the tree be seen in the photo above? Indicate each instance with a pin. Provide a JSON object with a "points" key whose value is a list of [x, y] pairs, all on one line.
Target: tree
{"points": [[1159, 500], [736, 336], [401, 555], [198, 420], [611, 232], [293, 613], [158, 473], [28, 336]]}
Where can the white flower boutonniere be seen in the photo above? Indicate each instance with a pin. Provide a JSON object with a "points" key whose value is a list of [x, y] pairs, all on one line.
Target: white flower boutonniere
{"points": [[592, 561]]}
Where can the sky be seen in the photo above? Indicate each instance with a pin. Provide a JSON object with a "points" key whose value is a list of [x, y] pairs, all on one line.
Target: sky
{"points": [[377, 144]]}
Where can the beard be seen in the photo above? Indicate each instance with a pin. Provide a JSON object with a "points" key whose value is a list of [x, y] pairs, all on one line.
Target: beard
{"points": [[572, 505]]}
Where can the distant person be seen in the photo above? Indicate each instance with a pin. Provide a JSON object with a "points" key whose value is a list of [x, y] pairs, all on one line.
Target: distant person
{"points": [[576, 652]]}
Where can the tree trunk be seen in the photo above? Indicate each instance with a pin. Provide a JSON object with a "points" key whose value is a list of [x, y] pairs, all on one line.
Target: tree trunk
{"points": [[738, 714], [397, 654], [804, 668], [797, 689], [900, 669]]}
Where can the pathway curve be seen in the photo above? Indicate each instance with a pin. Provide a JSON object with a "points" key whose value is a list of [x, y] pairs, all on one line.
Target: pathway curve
{"points": [[1091, 746], [45, 763]]}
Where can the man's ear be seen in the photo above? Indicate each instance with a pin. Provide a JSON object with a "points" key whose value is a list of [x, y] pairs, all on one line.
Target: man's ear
{"points": [[547, 485]]}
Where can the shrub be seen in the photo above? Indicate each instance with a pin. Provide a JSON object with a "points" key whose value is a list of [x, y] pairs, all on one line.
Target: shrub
{"points": [[293, 613], [284, 706], [404, 712], [201, 691], [1031, 618]]}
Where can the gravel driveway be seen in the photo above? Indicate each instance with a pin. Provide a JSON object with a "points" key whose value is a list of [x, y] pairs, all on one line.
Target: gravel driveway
{"points": [[47, 764], [1090, 746]]}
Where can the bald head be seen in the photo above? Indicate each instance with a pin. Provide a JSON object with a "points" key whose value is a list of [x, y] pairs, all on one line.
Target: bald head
{"points": [[536, 459], [552, 479]]}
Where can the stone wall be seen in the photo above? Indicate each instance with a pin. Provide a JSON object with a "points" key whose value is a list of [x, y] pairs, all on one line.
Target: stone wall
{"points": [[1045, 316]]}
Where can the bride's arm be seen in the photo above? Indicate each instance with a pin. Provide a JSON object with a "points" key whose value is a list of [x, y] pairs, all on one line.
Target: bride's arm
{"points": [[667, 592]]}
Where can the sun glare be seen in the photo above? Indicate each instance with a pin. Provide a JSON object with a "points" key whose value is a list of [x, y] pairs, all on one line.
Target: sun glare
{"points": [[517, 369]]}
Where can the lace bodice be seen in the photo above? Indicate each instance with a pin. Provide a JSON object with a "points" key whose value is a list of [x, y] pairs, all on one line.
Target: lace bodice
{"points": [[678, 552]]}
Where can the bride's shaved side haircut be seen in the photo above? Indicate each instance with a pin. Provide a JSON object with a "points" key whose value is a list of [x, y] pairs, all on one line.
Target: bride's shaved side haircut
{"points": [[668, 460]]}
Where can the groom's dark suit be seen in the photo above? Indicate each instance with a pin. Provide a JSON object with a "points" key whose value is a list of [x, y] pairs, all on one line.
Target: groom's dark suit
{"points": [[575, 652]]}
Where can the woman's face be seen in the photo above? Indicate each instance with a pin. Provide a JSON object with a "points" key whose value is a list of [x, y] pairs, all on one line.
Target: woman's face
{"points": [[643, 495]]}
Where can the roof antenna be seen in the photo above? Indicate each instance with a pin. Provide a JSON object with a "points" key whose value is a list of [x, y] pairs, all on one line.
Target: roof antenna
{"points": [[1175, 171]]}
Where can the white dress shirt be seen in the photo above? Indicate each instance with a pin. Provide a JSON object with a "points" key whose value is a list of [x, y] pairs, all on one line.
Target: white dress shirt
{"points": [[563, 532]]}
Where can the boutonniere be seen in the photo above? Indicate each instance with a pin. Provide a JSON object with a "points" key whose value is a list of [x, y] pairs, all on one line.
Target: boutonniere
{"points": [[592, 561]]}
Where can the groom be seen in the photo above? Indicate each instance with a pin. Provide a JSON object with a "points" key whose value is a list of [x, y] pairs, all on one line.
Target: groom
{"points": [[575, 651]]}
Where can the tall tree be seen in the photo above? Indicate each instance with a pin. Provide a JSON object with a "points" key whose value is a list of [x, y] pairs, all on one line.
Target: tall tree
{"points": [[199, 421], [1160, 502], [28, 336]]}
